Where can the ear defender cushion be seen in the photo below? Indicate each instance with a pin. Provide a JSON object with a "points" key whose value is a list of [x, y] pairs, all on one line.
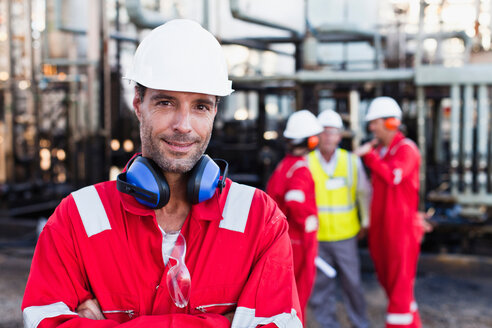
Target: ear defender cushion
{"points": [[146, 176], [203, 180], [312, 142], [392, 123]]}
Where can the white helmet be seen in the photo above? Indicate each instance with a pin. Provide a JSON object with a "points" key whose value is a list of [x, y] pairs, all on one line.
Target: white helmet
{"points": [[181, 56], [302, 124], [382, 107], [330, 118]]}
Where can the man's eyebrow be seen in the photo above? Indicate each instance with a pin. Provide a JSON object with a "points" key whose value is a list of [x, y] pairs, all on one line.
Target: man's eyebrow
{"points": [[161, 97], [205, 101]]}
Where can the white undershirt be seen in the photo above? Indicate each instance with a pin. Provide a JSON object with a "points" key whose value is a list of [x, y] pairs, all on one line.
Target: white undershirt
{"points": [[168, 241]]}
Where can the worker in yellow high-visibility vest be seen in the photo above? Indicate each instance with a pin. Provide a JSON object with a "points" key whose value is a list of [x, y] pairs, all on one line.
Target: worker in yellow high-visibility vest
{"points": [[342, 194]]}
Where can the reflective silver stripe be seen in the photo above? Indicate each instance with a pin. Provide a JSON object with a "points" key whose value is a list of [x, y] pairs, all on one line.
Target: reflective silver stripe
{"points": [[397, 173], [399, 318], [335, 209], [33, 315], [297, 165], [91, 210], [295, 195], [236, 209], [245, 318], [403, 142]]}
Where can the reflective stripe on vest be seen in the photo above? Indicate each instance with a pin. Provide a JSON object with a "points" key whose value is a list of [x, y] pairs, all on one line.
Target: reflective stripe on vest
{"points": [[246, 318], [33, 315], [336, 196], [236, 209], [91, 210]]}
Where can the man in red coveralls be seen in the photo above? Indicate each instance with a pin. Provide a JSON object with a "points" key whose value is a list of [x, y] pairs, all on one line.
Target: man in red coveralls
{"points": [[395, 230], [292, 187], [172, 242]]}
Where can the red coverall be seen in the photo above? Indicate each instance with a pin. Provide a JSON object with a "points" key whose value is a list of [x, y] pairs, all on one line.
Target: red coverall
{"points": [[394, 230], [238, 255], [292, 187]]}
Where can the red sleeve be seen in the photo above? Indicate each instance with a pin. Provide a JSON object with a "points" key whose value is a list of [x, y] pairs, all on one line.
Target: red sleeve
{"points": [[57, 285], [400, 166], [299, 200], [270, 294]]}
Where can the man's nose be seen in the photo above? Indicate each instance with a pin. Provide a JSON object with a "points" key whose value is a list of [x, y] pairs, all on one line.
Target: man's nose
{"points": [[182, 120]]}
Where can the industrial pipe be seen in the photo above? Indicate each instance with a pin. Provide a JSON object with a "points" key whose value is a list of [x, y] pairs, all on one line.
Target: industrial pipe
{"points": [[482, 137], [239, 14], [455, 136], [421, 132], [141, 17], [334, 76], [468, 137]]}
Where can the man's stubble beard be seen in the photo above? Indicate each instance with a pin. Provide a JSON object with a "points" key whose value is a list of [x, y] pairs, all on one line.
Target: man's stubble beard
{"points": [[152, 149]]}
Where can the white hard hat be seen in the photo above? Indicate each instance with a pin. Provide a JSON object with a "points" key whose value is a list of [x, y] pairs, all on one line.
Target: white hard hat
{"points": [[181, 56], [382, 107], [302, 124], [330, 118]]}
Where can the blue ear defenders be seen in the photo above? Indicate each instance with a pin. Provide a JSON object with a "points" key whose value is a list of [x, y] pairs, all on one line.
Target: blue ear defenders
{"points": [[144, 180]]}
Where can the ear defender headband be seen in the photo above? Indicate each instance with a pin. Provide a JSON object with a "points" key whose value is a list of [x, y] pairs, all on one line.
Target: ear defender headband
{"points": [[144, 180], [392, 123]]}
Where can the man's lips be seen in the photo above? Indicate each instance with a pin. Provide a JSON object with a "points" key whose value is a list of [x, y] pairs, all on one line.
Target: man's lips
{"points": [[179, 146]]}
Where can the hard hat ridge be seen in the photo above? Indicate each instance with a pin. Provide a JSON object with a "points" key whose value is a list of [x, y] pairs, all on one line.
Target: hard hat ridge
{"points": [[180, 55]]}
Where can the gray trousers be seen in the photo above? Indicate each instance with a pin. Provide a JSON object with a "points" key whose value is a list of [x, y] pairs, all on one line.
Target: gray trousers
{"points": [[344, 257]]}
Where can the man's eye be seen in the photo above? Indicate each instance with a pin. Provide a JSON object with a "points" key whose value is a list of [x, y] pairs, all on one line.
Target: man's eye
{"points": [[202, 107], [164, 103]]}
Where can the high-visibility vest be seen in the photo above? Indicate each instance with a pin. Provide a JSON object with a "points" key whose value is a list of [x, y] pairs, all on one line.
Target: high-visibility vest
{"points": [[336, 197]]}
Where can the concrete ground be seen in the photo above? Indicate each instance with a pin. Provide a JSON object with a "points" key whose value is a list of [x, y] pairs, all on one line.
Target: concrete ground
{"points": [[448, 296]]}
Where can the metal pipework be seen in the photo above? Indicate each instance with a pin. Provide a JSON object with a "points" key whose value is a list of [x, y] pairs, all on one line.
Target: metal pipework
{"points": [[468, 137], [482, 136], [421, 131], [141, 17], [455, 137], [383, 75], [355, 122], [239, 14]]}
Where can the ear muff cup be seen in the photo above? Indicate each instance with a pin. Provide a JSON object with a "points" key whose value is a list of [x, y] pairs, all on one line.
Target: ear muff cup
{"points": [[144, 181], [312, 142], [203, 180], [392, 123]]}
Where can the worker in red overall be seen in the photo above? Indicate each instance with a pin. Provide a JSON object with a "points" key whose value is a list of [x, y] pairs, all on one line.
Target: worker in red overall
{"points": [[172, 242], [292, 187], [395, 230]]}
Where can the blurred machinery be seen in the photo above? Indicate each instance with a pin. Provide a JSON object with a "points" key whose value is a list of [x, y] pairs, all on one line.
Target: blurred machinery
{"points": [[66, 119]]}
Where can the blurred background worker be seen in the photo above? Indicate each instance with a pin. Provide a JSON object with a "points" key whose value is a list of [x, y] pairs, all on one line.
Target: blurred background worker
{"points": [[292, 187], [395, 230], [342, 193]]}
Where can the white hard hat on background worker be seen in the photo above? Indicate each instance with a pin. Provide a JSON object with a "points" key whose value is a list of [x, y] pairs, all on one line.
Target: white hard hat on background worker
{"points": [[181, 56], [330, 118], [383, 107], [302, 124]]}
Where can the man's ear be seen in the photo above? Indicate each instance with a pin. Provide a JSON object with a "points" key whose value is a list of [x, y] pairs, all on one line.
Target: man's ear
{"points": [[137, 103]]}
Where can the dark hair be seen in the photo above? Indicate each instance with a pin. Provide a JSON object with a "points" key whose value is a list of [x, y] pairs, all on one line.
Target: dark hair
{"points": [[141, 93]]}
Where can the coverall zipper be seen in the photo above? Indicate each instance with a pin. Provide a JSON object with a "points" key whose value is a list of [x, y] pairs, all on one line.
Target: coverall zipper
{"points": [[129, 312], [203, 308]]}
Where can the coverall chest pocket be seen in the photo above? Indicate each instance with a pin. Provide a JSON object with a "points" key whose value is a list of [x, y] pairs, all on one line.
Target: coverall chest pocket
{"points": [[119, 307], [220, 299]]}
